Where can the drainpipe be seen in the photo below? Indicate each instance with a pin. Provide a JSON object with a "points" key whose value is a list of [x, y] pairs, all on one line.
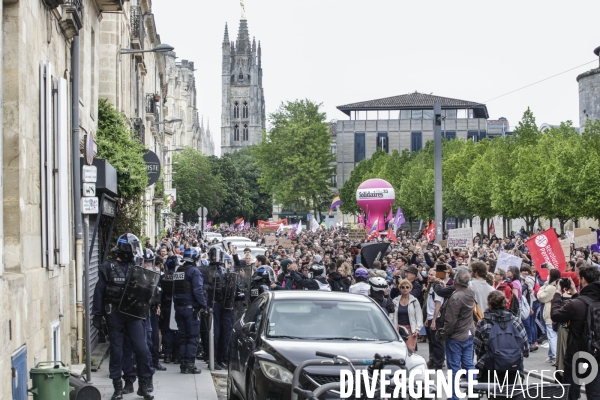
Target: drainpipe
{"points": [[77, 194]]}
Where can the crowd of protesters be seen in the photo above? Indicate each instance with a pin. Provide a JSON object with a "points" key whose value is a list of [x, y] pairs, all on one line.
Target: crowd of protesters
{"points": [[451, 299]]}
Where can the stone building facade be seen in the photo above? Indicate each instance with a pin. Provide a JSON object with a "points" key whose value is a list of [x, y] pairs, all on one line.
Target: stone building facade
{"points": [[589, 94], [243, 104]]}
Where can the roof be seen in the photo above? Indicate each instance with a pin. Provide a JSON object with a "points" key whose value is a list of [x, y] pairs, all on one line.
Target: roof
{"points": [[414, 100]]}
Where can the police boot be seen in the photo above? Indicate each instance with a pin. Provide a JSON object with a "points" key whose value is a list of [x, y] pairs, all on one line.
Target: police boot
{"points": [[143, 389], [128, 388], [118, 385], [150, 384], [168, 359], [192, 369]]}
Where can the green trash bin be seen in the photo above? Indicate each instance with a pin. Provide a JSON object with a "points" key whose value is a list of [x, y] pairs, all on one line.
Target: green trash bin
{"points": [[50, 383]]}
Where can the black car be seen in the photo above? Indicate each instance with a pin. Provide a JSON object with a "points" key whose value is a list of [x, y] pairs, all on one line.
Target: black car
{"points": [[281, 329]]}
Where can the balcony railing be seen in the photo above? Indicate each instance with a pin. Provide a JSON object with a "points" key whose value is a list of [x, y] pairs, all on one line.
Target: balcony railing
{"points": [[137, 27], [138, 130]]}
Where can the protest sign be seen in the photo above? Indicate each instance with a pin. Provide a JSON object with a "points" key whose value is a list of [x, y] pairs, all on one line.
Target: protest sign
{"points": [[566, 247], [357, 235], [571, 236], [270, 240], [586, 240], [443, 244], [286, 243], [581, 232], [461, 237], [506, 260]]}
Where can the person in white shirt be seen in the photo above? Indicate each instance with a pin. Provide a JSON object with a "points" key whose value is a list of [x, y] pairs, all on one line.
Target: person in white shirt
{"points": [[361, 275]]}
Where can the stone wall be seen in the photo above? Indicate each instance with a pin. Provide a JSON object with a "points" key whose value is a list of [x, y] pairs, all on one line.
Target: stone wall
{"points": [[589, 96]]}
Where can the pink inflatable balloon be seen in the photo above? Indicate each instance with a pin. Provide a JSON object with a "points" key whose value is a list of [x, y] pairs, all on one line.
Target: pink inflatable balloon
{"points": [[375, 197]]}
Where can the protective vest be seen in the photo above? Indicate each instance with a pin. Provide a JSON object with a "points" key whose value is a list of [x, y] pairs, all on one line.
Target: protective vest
{"points": [[167, 286], [182, 285], [115, 282]]}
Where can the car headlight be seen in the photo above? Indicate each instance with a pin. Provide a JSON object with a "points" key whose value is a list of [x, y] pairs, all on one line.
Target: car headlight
{"points": [[276, 372]]}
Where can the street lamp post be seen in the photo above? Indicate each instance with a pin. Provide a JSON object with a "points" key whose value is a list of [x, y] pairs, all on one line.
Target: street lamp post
{"points": [[161, 48]]}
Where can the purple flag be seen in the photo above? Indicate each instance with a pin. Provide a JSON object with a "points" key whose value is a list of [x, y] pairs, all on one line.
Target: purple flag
{"points": [[596, 247], [399, 219]]}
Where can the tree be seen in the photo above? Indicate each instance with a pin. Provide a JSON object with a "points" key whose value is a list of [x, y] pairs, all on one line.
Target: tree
{"points": [[249, 171], [236, 198], [417, 191], [116, 145], [197, 184], [588, 177], [294, 156]]}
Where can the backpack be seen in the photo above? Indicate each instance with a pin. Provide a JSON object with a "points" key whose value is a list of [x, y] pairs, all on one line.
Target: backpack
{"points": [[504, 347], [591, 330], [524, 307]]}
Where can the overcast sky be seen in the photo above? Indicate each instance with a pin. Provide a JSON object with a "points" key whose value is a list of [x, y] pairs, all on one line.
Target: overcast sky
{"points": [[343, 51]]}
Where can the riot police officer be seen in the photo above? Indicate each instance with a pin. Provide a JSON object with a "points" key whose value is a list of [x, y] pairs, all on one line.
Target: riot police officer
{"points": [[315, 281], [215, 281], [108, 295], [189, 302], [262, 281], [170, 337]]}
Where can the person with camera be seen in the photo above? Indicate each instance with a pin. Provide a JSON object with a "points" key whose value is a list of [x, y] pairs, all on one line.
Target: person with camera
{"points": [[575, 313]]}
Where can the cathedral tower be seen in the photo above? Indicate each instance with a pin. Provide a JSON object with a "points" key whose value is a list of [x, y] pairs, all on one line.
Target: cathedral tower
{"points": [[243, 104]]}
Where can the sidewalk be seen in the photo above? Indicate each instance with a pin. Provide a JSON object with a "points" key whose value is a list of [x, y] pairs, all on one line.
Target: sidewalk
{"points": [[169, 384]]}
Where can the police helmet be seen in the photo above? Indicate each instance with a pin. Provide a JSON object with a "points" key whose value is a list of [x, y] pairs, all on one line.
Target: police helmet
{"points": [[190, 254], [264, 272], [317, 270], [215, 255], [129, 247], [378, 284], [149, 258]]}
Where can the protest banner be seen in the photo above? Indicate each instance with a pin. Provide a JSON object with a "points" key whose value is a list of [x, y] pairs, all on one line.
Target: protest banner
{"points": [[443, 244], [566, 247], [586, 240], [571, 236], [461, 237], [357, 235], [545, 247], [506, 260]]}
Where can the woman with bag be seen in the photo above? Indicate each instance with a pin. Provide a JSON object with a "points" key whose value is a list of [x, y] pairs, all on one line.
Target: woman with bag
{"points": [[408, 313]]}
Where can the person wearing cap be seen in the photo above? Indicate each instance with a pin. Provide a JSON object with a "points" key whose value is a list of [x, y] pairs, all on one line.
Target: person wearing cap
{"points": [[361, 275], [410, 273]]}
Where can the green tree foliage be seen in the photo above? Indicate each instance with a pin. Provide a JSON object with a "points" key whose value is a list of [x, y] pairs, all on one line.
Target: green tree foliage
{"points": [[116, 145], [236, 197], [249, 171], [294, 156], [555, 174], [197, 184]]}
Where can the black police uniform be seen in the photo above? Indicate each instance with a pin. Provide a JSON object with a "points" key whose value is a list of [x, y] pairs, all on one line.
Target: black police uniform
{"points": [[107, 296], [222, 318], [170, 338], [189, 300]]}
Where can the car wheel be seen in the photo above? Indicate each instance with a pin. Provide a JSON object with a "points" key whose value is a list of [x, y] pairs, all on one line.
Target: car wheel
{"points": [[230, 391]]}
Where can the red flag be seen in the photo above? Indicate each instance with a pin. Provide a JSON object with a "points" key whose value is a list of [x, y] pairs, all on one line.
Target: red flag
{"points": [[491, 229], [391, 235], [545, 248], [237, 221], [430, 232]]}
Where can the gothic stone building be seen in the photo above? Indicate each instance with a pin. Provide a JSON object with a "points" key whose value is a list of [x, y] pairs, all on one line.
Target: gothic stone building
{"points": [[243, 104]]}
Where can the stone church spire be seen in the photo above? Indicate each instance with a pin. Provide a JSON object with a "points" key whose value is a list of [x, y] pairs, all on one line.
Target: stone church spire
{"points": [[226, 38], [243, 40]]}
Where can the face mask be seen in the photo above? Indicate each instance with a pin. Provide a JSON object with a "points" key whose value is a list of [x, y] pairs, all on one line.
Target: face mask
{"points": [[423, 274], [205, 263]]}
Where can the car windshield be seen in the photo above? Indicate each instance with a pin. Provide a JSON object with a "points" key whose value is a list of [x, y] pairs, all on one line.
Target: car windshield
{"points": [[328, 320]]}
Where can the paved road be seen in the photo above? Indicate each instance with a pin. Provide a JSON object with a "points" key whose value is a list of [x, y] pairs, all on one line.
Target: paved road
{"points": [[169, 384]]}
